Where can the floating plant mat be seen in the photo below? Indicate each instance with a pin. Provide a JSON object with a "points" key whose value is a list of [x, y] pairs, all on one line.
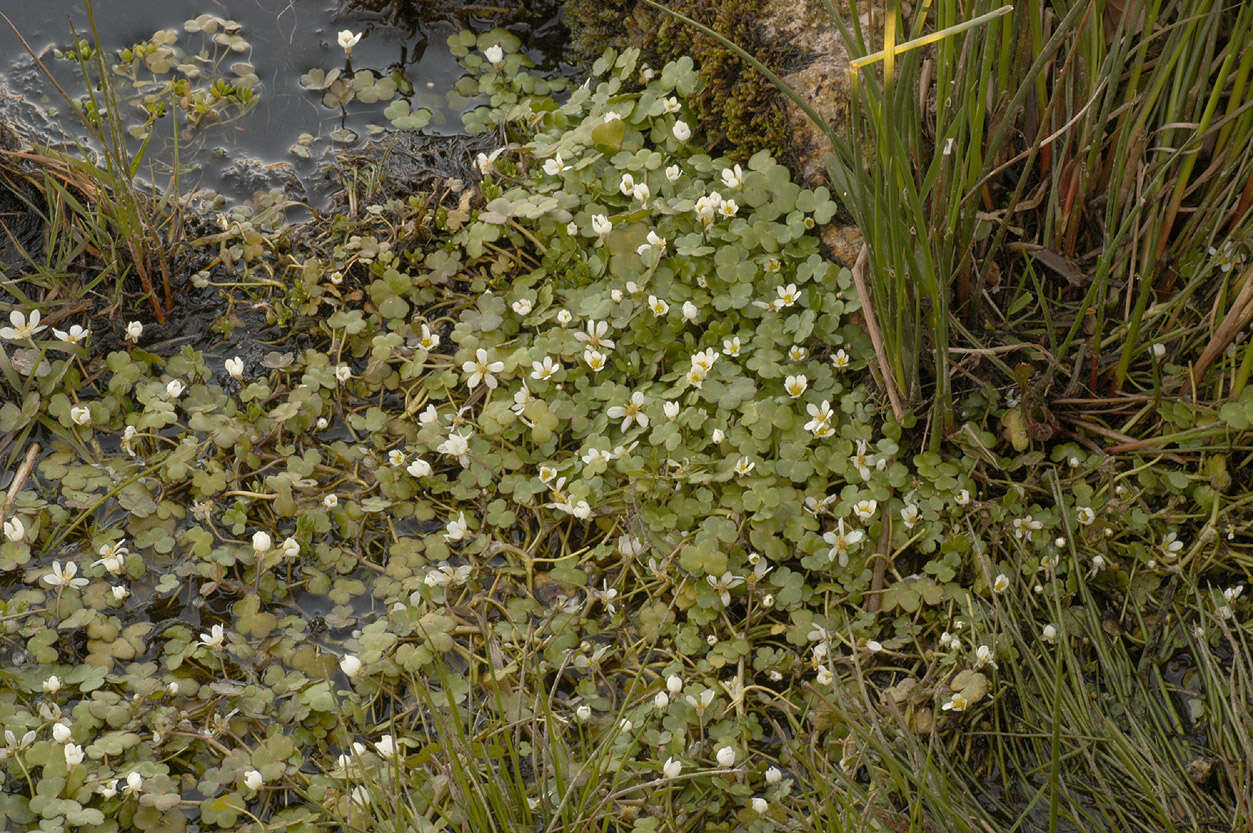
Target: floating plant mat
{"points": [[302, 100], [557, 497]]}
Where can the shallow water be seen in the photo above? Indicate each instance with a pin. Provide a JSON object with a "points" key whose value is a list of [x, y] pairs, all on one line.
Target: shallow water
{"points": [[287, 38]]}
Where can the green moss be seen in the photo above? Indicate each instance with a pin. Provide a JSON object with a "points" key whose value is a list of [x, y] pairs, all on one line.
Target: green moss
{"points": [[739, 111]]}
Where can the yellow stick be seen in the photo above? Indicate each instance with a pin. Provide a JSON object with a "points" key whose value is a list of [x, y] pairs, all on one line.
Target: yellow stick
{"points": [[888, 55]]}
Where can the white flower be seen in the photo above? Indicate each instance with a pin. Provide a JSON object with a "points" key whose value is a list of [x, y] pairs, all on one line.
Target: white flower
{"points": [[1001, 583], [796, 353], [74, 336], [484, 161], [14, 529], [61, 733], [743, 466], [718, 436], [112, 556], [641, 192], [724, 584], [543, 370], [671, 105], [1228, 257], [1023, 527], [795, 385], [759, 805], [673, 173], [595, 359], [654, 242], [632, 411], [670, 409], [336, 277], [647, 73], [134, 330], [690, 312], [253, 779], [865, 509], [774, 775], [348, 39], [386, 746], [1171, 546], [555, 166], [630, 546], [728, 208], [909, 515], [863, 461], [23, 327], [1049, 632], [583, 713], [494, 54], [726, 757], [457, 529], [482, 370], [108, 789], [731, 346], [350, 665], [455, 446], [1159, 351], [64, 577], [234, 367], [733, 177], [134, 784], [120, 592], [214, 638], [80, 415], [707, 209], [658, 305], [1084, 515], [840, 359], [842, 542], [595, 335], [601, 224], [984, 656], [703, 360], [174, 388], [681, 131], [674, 683], [820, 424], [671, 768], [330, 501], [958, 703], [610, 115], [73, 754], [522, 306], [787, 296], [963, 497], [429, 340], [343, 373], [261, 542], [701, 702], [52, 685], [626, 185]]}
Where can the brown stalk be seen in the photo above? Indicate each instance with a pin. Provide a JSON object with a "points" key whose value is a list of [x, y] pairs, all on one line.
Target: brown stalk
{"points": [[19, 480], [872, 330], [1236, 319]]}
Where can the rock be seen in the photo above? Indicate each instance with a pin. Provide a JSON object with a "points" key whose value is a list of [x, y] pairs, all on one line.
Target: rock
{"points": [[824, 81], [843, 242]]}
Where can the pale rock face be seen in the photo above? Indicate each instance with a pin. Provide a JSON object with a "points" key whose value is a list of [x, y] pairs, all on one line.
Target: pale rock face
{"points": [[824, 79]]}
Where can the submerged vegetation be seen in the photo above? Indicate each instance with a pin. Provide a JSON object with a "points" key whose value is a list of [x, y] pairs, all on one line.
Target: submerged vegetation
{"points": [[562, 497]]}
